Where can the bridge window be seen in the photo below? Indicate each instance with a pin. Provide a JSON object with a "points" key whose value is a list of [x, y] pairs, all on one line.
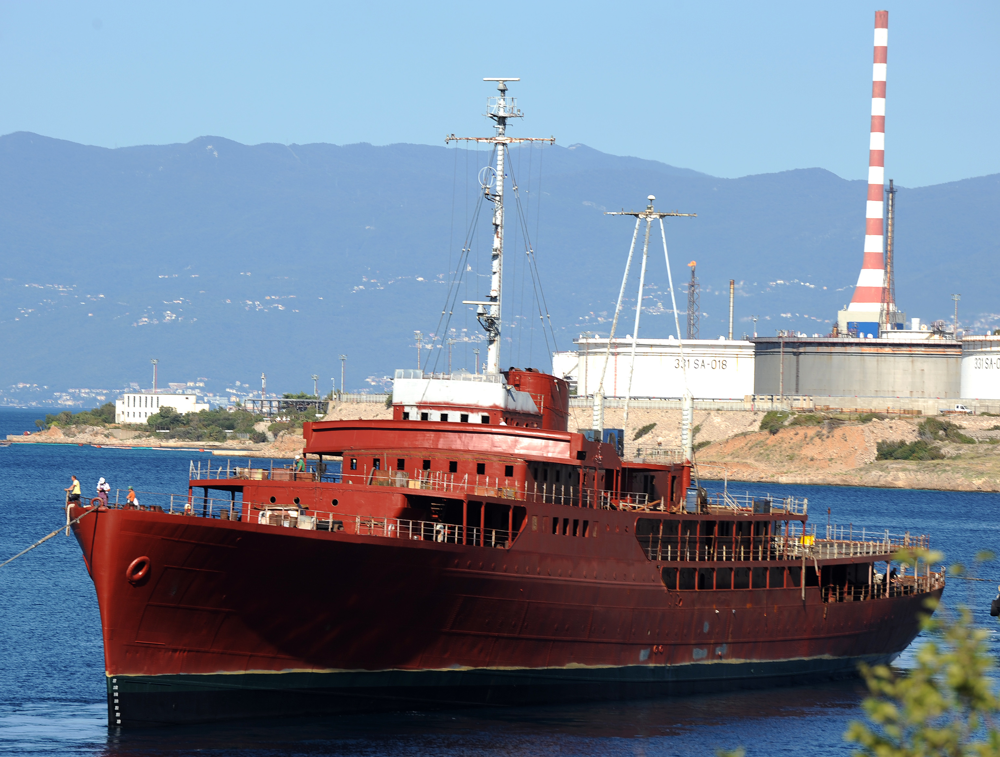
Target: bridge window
{"points": [[464, 417], [406, 415], [425, 416], [427, 464], [508, 471], [485, 418], [444, 417], [480, 468], [400, 464], [453, 466]]}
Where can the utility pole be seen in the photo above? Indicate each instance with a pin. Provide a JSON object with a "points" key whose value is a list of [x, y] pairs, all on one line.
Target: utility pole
{"points": [[499, 108], [475, 351], [343, 360], [420, 341], [888, 316], [781, 373], [732, 293], [316, 386], [692, 330], [154, 361], [954, 328]]}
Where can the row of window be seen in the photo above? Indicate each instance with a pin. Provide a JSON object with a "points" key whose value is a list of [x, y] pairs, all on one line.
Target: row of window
{"points": [[144, 400], [508, 470], [573, 527], [445, 417], [715, 579]]}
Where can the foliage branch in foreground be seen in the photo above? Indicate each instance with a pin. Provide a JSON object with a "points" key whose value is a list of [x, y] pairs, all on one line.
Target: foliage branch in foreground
{"points": [[947, 704]]}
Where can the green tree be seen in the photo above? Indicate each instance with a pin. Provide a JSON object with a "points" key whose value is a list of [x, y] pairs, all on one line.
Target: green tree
{"points": [[167, 417]]}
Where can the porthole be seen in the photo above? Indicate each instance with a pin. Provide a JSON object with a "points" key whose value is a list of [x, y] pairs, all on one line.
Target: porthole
{"points": [[296, 500], [273, 500], [334, 502]]}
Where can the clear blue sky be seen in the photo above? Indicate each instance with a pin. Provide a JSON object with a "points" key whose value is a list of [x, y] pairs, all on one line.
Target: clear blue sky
{"points": [[725, 88]]}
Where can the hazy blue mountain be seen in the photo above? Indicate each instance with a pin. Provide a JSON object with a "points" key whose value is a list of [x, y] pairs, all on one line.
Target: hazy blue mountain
{"points": [[225, 261]]}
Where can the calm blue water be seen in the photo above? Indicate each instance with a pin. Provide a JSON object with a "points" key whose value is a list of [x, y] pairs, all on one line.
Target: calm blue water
{"points": [[52, 674]]}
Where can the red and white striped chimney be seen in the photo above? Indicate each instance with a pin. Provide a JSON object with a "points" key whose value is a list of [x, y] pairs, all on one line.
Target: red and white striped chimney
{"points": [[868, 294]]}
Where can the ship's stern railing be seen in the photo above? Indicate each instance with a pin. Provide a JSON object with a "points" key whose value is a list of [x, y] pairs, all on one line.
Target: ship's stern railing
{"points": [[758, 503]]}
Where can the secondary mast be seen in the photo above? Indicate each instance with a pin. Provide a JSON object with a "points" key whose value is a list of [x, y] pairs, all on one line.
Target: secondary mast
{"points": [[499, 108]]}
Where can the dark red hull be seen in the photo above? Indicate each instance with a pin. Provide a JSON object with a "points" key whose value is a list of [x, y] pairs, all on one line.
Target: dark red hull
{"points": [[236, 619]]}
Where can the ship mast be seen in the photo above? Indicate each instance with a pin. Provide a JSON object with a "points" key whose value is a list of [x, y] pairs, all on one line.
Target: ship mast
{"points": [[499, 108]]}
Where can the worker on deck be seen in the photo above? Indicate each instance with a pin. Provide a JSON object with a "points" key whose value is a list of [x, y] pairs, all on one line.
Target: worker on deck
{"points": [[73, 490], [103, 487]]}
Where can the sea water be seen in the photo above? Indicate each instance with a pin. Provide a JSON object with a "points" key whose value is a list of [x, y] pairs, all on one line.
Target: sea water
{"points": [[52, 691]]}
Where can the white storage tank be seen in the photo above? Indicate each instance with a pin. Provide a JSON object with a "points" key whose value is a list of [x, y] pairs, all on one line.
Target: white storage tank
{"points": [[716, 368], [981, 367]]}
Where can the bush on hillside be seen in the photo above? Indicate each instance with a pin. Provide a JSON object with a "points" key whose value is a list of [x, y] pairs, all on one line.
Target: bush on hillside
{"points": [[869, 417], [807, 419], [773, 420], [918, 450], [934, 429]]}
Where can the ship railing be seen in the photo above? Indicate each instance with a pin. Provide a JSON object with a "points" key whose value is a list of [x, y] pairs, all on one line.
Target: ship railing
{"points": [[502, 487], [384, 527], [199, 470], [796, 544], [482, 378], [757, 503], [225, 508], [290, 516], [922, 582]]}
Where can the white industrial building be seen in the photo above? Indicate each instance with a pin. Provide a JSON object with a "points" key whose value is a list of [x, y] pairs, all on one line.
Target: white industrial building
{"points": [[137, 407], [980, 368], [716, 368]]}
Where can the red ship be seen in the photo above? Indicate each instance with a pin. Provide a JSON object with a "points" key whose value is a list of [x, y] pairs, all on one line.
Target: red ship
{"points": [[473, 550]]}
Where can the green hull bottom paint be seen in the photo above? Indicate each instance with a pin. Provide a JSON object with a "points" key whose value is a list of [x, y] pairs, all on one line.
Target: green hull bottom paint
{"points": [[142, 701]]}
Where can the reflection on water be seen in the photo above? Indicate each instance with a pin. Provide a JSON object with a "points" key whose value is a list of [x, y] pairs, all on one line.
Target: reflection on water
{"points": [[764, 722]]}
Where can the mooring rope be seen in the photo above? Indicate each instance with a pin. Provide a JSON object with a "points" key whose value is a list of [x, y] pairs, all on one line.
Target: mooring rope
{"points": [[45, 539]]}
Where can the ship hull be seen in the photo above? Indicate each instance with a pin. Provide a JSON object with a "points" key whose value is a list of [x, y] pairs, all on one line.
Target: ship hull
{"points": [[236, 619], [148, 701]]}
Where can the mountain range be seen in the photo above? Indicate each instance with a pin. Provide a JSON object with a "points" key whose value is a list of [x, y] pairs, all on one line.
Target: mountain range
{"points": [[224, 261]]}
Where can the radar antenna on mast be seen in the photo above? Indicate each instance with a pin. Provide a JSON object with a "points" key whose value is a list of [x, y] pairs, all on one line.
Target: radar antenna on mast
{"points": [[499, 108]]}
